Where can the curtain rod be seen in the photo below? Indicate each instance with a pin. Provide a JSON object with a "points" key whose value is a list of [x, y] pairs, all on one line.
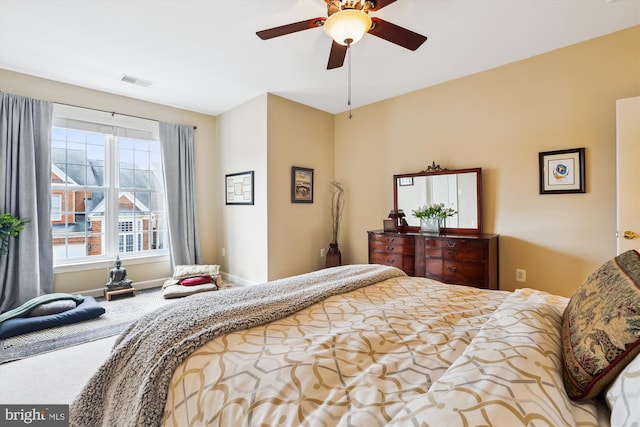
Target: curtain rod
{"points": [[113, 113]]}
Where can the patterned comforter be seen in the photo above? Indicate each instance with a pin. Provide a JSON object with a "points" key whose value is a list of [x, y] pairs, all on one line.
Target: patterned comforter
{"points": [[405, 351]]}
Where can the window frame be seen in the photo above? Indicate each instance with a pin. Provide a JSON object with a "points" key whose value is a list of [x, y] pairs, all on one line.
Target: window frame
{"points": [[112, 191]]}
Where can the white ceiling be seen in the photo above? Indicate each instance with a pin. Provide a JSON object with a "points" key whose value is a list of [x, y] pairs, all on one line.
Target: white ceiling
{"points": [[205, 56]]}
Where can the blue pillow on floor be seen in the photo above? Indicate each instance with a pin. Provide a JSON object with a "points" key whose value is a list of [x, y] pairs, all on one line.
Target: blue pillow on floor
{"points": [[87, 309]]}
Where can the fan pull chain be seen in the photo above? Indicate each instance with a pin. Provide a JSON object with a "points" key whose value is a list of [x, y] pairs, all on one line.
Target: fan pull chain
{"points": [[349, 80]]}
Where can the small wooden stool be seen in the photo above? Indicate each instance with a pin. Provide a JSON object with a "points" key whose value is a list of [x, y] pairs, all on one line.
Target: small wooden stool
{"points": [[108, 294]]}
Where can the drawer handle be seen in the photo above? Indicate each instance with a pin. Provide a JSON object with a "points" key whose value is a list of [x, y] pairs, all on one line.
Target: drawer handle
{"points": [[454, 269], [391, 239], [452, 252], [391, 261], [390, 248], [451, 244]]}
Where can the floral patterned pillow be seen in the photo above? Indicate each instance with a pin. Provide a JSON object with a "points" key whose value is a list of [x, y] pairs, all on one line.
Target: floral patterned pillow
{"points": [[601, 326]]}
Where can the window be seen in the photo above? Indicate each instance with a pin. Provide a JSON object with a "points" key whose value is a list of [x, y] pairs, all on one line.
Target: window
{"points": [[56, 205], [107, 187]]}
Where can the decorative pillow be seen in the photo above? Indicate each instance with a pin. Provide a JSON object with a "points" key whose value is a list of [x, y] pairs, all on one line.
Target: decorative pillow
{"points": [[178, 291], [601, 326], [186, 271], [53, 307], [200, 280]]}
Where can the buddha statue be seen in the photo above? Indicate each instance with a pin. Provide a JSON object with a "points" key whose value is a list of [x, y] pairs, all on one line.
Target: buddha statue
{"points": [[118, 277]]}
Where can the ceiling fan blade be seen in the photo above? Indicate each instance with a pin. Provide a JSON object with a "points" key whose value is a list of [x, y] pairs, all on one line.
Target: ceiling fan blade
{"points": [[396, 34], [336, 56], [382, 3], [290, 28]]}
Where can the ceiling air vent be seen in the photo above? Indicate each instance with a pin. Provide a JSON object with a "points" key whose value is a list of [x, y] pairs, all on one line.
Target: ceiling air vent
{"points": [[136, 81]]}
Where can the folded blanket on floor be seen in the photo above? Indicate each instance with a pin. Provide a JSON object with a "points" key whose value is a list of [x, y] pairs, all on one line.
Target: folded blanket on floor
{"points": [[25, 308], [87, 309]]}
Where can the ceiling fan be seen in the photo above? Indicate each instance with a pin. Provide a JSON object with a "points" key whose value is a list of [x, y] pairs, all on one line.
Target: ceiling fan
{"points": [[347, 21]]}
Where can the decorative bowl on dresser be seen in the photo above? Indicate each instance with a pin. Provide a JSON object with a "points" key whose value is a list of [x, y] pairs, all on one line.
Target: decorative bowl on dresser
{"points": [[461, 253]]}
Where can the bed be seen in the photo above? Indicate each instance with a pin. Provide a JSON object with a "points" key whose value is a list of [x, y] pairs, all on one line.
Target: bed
{"points": [[366, 345]]}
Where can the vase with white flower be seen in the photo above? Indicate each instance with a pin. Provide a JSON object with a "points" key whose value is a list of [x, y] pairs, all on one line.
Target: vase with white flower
{"points": [[432, 216]]}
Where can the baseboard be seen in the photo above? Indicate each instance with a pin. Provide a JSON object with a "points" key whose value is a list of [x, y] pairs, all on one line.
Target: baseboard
{"points": [[240, 281]]}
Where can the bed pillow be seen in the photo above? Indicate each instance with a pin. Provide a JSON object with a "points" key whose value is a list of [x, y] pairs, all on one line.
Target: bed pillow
{"points": [[601, 326], [199, 280], [186, 271], [53, 307], [623, 395], [178, 291]]}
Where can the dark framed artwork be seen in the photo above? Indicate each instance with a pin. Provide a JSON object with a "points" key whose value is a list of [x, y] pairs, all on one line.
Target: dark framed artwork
{"points": [[562, 171], [239, 188], [405, 181], [301, 185]]}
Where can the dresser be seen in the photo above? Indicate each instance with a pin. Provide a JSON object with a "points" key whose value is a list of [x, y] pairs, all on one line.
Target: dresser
{"points": [[464, 259], [394, 249]]}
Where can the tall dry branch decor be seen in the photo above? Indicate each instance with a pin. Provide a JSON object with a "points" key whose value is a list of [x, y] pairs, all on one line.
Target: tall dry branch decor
{"points": [[337, 206]]}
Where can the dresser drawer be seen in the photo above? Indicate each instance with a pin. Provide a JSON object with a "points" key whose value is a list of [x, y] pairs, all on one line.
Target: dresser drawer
{"points": [[456, 249], [460, 244], [403, 262], [391, 244], [456, 272]]}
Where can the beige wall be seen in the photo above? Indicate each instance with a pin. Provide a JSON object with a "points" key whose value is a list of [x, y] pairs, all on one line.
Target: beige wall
{"points": [[242, 231], [274, 238], [500, 120], [298, 136], [205, 146]]}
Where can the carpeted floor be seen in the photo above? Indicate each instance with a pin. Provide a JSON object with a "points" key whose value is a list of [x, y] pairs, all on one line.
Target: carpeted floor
{"points": [[120, 312]]}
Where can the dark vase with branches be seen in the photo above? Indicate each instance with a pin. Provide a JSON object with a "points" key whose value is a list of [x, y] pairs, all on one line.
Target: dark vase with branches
{"points": [[10, 226], [334, 257]]}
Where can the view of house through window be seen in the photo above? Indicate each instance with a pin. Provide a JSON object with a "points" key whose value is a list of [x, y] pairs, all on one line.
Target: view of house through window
{"points": [[107, 188]]}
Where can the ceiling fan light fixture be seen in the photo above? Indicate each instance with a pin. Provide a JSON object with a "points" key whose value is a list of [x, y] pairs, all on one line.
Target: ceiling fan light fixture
{"points": [[347, 26]]}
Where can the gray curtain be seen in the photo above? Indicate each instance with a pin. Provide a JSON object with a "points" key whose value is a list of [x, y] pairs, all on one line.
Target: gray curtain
{"points": [[177, 158], [25, 192]]}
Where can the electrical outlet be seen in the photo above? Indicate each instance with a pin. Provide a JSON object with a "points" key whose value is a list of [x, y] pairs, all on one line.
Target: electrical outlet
{"points": [[322, 252], [521, 275], [224, 252]]}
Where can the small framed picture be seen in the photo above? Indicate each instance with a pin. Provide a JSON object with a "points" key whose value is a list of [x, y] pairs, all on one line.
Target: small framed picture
{"points": [[239, 188], [405, 181], [301, 185], [562, 171]]}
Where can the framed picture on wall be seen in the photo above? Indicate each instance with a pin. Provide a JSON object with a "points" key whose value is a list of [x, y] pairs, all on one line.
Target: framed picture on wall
{"points": [[562, 171], [405, 181], [239, 188], [301, 185]]}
